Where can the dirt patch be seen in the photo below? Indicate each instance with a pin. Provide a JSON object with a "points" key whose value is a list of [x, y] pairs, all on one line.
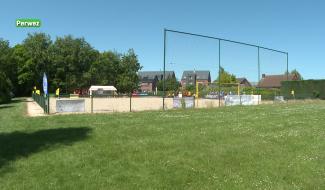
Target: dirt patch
{"points": [[33, 109]]}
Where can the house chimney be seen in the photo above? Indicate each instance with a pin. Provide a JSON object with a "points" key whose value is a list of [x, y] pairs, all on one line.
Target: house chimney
{"points": [[263, 76]]}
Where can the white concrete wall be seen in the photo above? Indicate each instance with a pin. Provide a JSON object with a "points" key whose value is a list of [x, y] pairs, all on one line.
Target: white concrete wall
{"points": [[122, 104]]}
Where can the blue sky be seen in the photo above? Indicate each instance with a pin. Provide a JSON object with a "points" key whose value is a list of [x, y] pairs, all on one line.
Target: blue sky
{"points": [[289, 25]]}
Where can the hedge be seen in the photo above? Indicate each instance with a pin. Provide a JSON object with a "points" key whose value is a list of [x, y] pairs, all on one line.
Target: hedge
{"points": [[266, 93], [304, 89], [5, 88]]}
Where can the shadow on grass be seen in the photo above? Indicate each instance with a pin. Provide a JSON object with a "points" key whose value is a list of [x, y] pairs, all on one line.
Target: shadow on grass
{"points": [[18, 100], [18, 144], [12, 102], [5, 106]]}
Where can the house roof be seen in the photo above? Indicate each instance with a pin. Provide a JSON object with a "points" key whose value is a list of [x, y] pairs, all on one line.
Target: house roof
{"points": [[200, 75], [243, 81], [151, 75], [274, 81], [148, 80], [240, 80]]}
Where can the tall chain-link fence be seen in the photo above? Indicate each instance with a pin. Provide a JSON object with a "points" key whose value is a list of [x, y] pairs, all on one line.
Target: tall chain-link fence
{"points": [[220, 72]]}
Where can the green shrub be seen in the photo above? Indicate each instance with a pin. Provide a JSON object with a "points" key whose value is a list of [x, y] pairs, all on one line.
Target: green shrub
{"points": [[266, 93], [5, 88], [269, 94], [304, 89], [183, 103]]}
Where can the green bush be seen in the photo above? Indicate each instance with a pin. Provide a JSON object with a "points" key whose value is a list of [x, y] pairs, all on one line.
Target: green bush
{"points": [[304, 89], [5, 88], [266, 93], [269, 94]]}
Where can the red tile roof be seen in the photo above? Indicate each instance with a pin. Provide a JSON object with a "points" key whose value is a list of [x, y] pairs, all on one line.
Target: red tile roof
{"points": [[274, 81]]}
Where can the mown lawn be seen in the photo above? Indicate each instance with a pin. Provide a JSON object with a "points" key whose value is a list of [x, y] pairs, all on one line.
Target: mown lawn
{"points": [[258, 147]]}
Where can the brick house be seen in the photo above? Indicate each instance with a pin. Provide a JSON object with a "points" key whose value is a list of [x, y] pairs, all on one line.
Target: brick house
{"points": [[150, 79], [274, 81], [193, 77]]}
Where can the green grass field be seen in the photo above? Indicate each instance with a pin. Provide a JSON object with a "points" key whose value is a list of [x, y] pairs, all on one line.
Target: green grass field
{"points": [[257, 147]]}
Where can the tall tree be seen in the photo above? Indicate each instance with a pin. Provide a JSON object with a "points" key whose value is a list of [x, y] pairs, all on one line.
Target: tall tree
{"points": [[297, 74], [5, 88], [226, 77], [72, 58], [8, 70], [32, 58], [171, 84], [69, 62], [127, 78], [105, 69]]}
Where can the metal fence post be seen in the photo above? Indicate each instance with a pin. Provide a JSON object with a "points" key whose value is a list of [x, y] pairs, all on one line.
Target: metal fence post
{"points": [[91, 104], [130, 102], [219, 83], [259, 74], [164, 93], [43, 100], [48, 104], [197, 95], [287, 66]]}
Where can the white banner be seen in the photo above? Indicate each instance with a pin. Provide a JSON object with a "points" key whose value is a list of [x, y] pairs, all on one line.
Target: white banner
{"points": [[232, 100]]}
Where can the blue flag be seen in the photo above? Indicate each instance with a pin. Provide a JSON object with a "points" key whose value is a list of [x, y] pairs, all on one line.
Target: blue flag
{"points": [[45, 84]]}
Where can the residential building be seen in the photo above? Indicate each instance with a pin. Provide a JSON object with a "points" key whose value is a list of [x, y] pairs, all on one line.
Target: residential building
{"points": [[193, 77], [243, 82], [150, 79], [274, 81]]}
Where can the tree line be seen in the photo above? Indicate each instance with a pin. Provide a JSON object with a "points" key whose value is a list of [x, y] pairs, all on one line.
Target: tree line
{"points": [[226, 77], [70, 63]]}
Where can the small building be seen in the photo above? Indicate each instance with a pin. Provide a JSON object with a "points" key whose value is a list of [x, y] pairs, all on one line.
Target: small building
{"points": [[149, 79], [243, 82], [102, 90], [274, 81], [193, 77]]}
